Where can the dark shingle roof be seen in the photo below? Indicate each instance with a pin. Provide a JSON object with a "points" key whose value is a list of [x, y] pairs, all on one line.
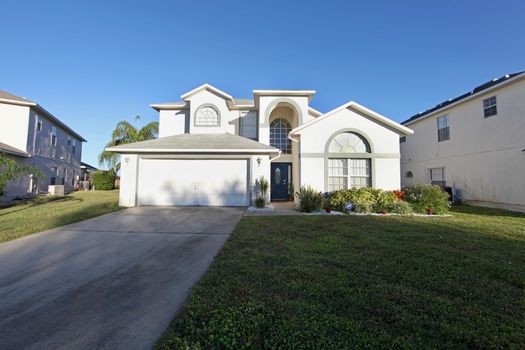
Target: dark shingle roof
{"points": [[477, 89]]}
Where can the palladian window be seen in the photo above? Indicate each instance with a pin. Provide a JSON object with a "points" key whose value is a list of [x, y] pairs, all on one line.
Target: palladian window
{"points": [[349, 162], [279, 130]]}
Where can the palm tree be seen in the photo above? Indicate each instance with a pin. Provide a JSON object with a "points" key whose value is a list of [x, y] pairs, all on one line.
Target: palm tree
{"points": [[126, 133]]}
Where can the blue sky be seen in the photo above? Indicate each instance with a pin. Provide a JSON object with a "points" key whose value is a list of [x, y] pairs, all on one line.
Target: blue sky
{"points": [[93, 63]]}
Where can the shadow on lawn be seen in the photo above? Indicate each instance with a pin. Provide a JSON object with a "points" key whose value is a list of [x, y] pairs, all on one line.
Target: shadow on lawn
{"points": [[473, 210], [34, 202]]}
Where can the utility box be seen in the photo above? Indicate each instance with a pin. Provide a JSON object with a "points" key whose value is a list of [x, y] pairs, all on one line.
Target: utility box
{"points": [[56, 190]]}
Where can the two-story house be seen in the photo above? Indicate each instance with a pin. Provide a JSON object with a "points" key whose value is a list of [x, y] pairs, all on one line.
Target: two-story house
{"points": [[35, 137], [474, 143], [212, 147]]}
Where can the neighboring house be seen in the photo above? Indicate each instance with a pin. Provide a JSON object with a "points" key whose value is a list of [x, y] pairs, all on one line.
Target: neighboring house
{"points": [[474, 143], [86, 176], [212, 147], [35, 137]]}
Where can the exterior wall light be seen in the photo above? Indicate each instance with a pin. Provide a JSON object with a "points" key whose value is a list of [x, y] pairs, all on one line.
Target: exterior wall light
{"points": [[259, 160]]}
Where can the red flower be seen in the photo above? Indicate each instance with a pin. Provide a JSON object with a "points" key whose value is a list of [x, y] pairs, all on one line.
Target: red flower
{"points": [[400, 195]]}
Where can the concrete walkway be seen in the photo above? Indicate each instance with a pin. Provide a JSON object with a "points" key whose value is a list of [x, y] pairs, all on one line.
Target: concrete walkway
{"points": [[112, 282]]}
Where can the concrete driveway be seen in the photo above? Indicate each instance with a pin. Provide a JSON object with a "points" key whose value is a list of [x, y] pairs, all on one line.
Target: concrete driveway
{"points": [[111, 282]]}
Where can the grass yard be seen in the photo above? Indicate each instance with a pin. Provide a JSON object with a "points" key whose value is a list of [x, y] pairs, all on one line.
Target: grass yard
{"points": [[43, 213], [328, 282]]}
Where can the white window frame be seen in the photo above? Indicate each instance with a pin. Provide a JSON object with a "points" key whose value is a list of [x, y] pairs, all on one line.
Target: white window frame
{"points": [[38, 124], [248, 125], [490, 106], [348, 172], [203, 123], [443, 128], [439, 180], [54, 138]]}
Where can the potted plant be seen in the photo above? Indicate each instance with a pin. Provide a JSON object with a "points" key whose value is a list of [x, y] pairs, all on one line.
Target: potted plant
{"points": [[429, 211], [260, 187], [327, 209], [290, 192]]}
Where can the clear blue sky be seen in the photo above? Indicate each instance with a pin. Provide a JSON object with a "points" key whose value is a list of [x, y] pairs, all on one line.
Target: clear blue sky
{"points": [[93, 63]]}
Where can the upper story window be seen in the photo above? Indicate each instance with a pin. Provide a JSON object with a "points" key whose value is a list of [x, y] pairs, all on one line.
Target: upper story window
{"points": [[207, 115], [38, 123], [54, 136], [248, 125], [69, 141], [490, 107], [443, 128], [74, 146], [279, 129], [402, 139]]}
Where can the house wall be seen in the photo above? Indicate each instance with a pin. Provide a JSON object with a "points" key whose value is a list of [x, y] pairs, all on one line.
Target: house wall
{"points": [[61, 161], [228, 118], [14, 123], [384, 143], [483, 159], [173, 122]]}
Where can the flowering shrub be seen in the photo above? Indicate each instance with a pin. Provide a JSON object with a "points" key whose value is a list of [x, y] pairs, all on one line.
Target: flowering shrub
{"points": [[424, 197], [399, 195], [362, 200]]}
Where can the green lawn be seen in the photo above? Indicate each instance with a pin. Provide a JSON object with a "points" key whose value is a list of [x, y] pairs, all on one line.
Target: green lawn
{"points": [[43, 213], [362, 282]]}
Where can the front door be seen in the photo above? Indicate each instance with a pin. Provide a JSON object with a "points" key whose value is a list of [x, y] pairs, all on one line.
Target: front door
{"points": [[280, 178]]}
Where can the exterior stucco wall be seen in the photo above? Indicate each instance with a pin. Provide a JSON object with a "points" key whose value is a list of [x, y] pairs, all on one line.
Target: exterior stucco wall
{"points": [[173, 122], [383, 141], [228, 118], [14, 123], [483, 159]]}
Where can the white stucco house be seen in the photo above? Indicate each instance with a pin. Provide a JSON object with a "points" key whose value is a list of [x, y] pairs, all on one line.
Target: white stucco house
{"points": [[32, 135], [474, 143], [212, 147]]}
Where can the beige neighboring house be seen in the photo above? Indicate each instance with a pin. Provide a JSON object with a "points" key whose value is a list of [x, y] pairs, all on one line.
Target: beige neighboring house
{"points": [[474, 143], [212, 147], [33, 136]]}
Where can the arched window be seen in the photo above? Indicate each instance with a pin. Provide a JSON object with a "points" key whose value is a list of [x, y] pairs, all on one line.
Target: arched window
{"points": [[349, 142], [279, 129], [348, 166], [207, 115]]}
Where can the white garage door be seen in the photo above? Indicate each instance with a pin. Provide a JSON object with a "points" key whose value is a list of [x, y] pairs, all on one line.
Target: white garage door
{"points": [[214, 182]]}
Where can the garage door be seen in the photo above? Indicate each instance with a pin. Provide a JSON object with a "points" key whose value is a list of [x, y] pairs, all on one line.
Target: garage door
{"points": [[214, 182]]}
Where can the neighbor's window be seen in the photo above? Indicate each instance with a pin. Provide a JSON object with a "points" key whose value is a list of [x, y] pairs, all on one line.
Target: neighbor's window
{"points": [[402, 139], [74, 146], [437, 176], [490, 106], [207, 116], [279, 130], [248, 125], [54, 136], [443, 128], [38, 124]]}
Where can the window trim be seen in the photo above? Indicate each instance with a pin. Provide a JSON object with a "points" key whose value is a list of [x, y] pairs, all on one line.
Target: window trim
{"points": [[39, 124], [348, 176], [207, 126], [490, 107], [443, 180], [443, 132], [288, 143]]}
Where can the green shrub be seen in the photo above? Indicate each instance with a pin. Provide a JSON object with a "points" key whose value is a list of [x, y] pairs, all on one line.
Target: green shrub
{"points": [[364, 200], [400, 207], [309, 199], [104, 180], [422, 197], [260, 202], [384, 201]]}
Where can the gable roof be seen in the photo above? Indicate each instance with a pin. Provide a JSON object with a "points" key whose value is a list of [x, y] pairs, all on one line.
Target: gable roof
{"points": [[471, 94], [5, 148], [7, 97], [196, 143], [402, 130]]}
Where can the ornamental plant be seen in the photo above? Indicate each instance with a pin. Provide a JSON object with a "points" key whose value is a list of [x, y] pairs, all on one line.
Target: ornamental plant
{"points": [[260, 188], [104, 180], [10, 169], [309, 199], [426, 199]]}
